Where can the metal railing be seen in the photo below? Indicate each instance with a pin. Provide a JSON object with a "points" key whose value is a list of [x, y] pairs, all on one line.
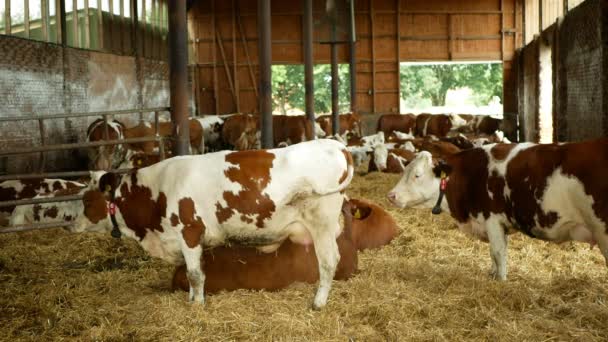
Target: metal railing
{"points": [[59, 147]]}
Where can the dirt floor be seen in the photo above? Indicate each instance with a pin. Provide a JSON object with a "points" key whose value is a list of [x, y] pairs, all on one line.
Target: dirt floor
{"points": [[430, 283]]}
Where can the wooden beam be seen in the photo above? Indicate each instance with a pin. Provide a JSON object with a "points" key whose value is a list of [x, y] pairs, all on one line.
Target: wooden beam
{"points": [[502, 30], [234, 73], [44, 12], [61, 24], [450, 37], [220, 43], [75, 34], [87, 26], [121, 12], [398, 47], [246, 48], [7, 17], [214, 54], [26, 19], [371, 22], [100, 30]]}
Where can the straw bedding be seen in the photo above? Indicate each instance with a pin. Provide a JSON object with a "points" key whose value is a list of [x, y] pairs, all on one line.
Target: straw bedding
{"points": [[430, 283]]}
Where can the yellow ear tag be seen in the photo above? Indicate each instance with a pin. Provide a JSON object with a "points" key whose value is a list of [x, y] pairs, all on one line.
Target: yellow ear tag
{"points": [[139, 162], [358, 214], [443, 175], [108, 188]]}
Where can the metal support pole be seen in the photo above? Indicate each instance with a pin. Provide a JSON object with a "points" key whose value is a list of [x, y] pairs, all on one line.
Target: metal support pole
{"points": [[178, 75], [352, 63], [309, 83], [264, 48], [334, 90]]}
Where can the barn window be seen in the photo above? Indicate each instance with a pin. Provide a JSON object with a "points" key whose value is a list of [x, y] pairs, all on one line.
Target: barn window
{"points": [[102, 25], [451, 87], [288, 88]]}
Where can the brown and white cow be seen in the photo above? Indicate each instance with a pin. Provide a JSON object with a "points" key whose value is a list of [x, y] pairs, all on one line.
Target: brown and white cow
{"points": [[228, 268], [389, 123], [350, 124], [165, 129], [437, 124], [108, 156], [366, 226], [251, 198], [389, 160], [67, 211], [554, 192], [290, 129], [240, 132], [11, 190], [481, 124]]}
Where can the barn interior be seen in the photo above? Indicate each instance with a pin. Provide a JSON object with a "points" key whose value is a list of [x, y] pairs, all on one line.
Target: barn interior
{"points": [[73, 61]]}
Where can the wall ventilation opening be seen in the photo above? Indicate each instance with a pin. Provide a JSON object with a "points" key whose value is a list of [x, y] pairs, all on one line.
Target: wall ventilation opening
{"points": [[545, 100], [288, 96], [452, 87]]}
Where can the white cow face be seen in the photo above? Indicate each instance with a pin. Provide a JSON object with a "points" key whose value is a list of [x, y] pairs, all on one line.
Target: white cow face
{"points": [[319, 132], [418, 187], [457, 121], [380, 156]]}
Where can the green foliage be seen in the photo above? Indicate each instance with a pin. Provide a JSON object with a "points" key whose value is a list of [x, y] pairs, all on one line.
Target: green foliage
{"points": [[432, 82], [288, 87]]}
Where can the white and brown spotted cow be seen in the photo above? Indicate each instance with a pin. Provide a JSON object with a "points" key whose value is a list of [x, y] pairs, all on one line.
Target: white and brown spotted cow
{"points": [[555, 192], [12, 190], [65, 211], [108, 156], [252, 198]]}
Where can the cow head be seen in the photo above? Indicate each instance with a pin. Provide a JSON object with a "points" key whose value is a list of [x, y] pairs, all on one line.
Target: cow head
{"points": [[457, 121], [380, 156], [95, 203], [419, 185], [319, 132], [108, 156]]}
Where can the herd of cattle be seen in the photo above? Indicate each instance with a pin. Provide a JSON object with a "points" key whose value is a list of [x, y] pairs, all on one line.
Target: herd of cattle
{"points": [[274, 217]]}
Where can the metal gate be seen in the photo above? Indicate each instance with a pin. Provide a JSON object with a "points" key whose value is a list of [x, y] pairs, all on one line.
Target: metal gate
{"points": [[59, 147]]}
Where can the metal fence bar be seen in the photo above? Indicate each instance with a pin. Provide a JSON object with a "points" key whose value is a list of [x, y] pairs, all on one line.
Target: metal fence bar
{"points": [[26, 227], [60, 147], [77, 115], [66, 174], [41, 200]]}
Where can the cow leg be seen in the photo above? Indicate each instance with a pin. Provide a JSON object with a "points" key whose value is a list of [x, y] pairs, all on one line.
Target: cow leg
{"points": [[323, 224], [498, 248], [196, 276]]}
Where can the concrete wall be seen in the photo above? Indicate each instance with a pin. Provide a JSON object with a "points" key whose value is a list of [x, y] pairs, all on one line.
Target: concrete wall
{"points": [[580, 62], [41, 78]]}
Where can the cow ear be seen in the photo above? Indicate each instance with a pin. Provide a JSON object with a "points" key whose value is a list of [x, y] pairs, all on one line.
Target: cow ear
{"points": [[441, 168], [108, 183]]}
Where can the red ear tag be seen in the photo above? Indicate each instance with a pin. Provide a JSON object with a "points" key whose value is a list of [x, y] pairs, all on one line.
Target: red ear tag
{"points": [[444, 184], [112, 208]]}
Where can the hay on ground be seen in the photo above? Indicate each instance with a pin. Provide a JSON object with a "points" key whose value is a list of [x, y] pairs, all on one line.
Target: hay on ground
{"points": [[430, 283]]}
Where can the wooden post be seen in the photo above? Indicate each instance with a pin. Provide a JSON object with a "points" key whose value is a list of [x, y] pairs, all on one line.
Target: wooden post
{"points": [[87, 26], [26, 18], [225, 63], [309, 82], [246, 48], [234, 68], [7, 17], [178, 75], [76, 36], [44, 20], [265, 58]]}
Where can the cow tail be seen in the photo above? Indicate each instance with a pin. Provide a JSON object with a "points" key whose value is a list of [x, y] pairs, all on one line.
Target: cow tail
{"points": [[345, 178]]}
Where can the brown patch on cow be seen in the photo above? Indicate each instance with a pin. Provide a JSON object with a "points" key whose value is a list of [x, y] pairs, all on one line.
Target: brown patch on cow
{"points": [[174, 220], [252, 172], [372, 226], [239, 267], [36, 210], [501, 151], [7, 194], [348, 122], [349, 163], [193, 225], [294, 129], [404, 123], [239, 131], [57, 185], [139, 210], [95, 207], [51, 212]]}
